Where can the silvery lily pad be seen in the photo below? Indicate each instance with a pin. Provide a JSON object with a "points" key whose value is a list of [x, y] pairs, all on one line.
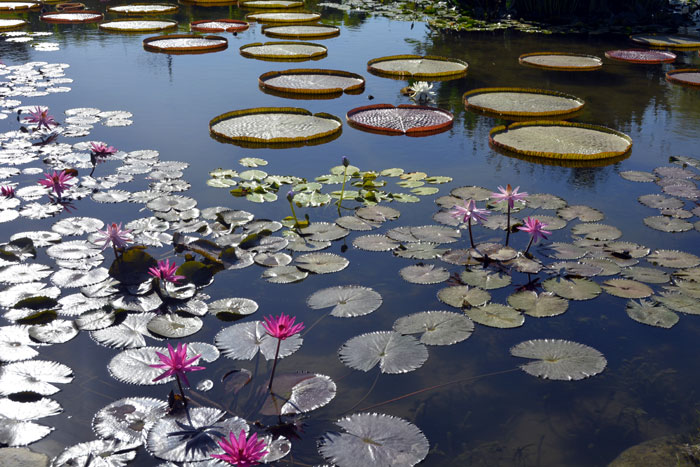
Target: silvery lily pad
{"points": [[15, 344], [572, 268], [131, 366], [626, 288], [477, 193], [374, 439], [21, 433], [57, 331], [393, 352], [73, 250], [667, 224], [425, 233], [462, 296], [541, 305], [673, 259], [193, 437], [378, 213], [419, 250], [680, 302], [637, 176], [647, 275], [23, 273], [347, 301], [284, 274], [660, 202], [436, 327], [174, 326], [378, 242], [39, 238], [129, 334], [21, 411], [424, 274], [243, 340], [298, 393], [356, 223], [94, 320], [607, 267], [485, 279], [597, 231], [572, 289], [272, 259], [580, 212], [545, 201], [71, 278], [33, 376], [563, 251], [324, 231], [77, 225], [234, 306], [651, 313], [322, 263], [129, 419], [111, 453], [496, 315], [559, 359]]}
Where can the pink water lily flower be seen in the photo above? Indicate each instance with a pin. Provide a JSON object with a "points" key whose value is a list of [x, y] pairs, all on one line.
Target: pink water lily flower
{"points": [[166, 271], [58, 181], [41, 117], [7, 191], [114, 234], [101, 149], [282, 326], [241, 451], [177, 364], [509, 194], [535, 228], [469, 212]]}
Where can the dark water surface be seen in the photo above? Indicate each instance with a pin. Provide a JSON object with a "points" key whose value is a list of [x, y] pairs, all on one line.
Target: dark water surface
{"points": [[648, 388]]}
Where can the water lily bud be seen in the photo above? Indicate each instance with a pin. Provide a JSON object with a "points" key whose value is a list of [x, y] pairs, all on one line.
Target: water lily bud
{"points": [[290, 195], [346, 162]]}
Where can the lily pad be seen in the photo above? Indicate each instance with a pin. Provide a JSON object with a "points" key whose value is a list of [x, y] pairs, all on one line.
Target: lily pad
{"points": [[38, 376], [393, 352], [233, 306], [648, 275], [485, 279], [375, 243], [405, 119], [284, 274], [347, 301], [424, 274], [243, 340], [594, 231], [462, 296], [673, 259], [496, 315], [322, 263], [667, 224], [559, 359], [436, 327], [174, 326], [651, 313], [541, 305], [572, 289], [580, 212], [298, 393], [626, 288], [129, 419]]}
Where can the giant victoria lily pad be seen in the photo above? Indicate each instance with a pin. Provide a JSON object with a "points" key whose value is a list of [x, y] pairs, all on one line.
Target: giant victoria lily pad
{"points": [[219, 25], [374, 439], [83, 16], [137, 25], [393, 352], [559, 359], [560, 140], [284, 17], [144, 9], [283, 50], [300, 31], [19, 6], [686, 76], [417, 67], [561, 61], [522, 102], [6, 24], [412, 120], [311, 81], [274, 126], [667, 40], [641, 56], [185, 43]]}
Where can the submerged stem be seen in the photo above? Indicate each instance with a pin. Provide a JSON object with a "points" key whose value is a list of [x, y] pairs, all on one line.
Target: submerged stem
{"points": [[274, 365], [366, 395], [182, 392], [294, 214], [342, 190]]}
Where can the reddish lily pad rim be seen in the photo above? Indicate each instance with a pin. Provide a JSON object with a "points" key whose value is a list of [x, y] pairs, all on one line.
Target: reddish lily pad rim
{"points": [[523, 57], [313, 17], [104, 26], [664, 44], [271, 4], [237, 25], [215, 46], [438, 76], [276, 142], [70, 6], [671, 76], [291, 58], [550, 155], [547, 113], [33, 6], [418, 131], [671, 57], [22, 24], [318, 35], [171, 9], [55, 17], [354, 89]]}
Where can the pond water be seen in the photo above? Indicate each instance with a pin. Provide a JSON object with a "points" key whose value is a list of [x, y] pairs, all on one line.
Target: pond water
{"points": [[496, 414]]}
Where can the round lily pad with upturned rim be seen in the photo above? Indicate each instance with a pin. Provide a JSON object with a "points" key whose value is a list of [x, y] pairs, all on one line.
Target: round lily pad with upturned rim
{"points": [[559, 359], [418, 67], [686, 76], [560, 140], [185, 43], [82, 16], [301, 31], [144, 9], [284, 50], [300, 17], [312, 81], [562, 61], [6, 23], [521, 102], [641, 56], [137, 25], [274, 126], [667, 40], [219, 25], [278, 4], [411, 120], [19, 6]]}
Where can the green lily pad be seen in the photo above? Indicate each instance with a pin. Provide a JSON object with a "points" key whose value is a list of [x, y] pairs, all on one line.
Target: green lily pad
{"points": [[564, 251], [595, 231], [673, 259], [626, 288], [572, 289], [377, 242], [651, 313], [680, 302], [648, 275], [321, 263], [485, 279], [496, 315], [667, 224], [559, 359], [424, 274], [419, 250], [545, 201], [580, 212], [544, 305], [463, 296], [436, 327]]}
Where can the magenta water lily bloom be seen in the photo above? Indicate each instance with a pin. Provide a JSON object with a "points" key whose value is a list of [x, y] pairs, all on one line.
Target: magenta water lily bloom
{"points": [[177, 364], [242, 451], [7, 191], [536, 230], [469, 212], [41, 118], [165, 271], [114, 234], [58, 181], [509, 194], [101, 149], [282, 326]]}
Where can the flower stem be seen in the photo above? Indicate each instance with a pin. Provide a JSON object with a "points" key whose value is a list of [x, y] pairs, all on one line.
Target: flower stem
{"points": [[529, 245], [508, 226], [342, 190], [182, 392], [294, 214], [469, 225], [274, 365]]}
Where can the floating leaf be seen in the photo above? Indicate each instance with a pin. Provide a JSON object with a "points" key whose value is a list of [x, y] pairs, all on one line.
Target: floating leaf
{"points": [[356, 223], [21, 433], [73, 250], [129, 419], [393, 352], [673, 259], [496, 315], [572, 289], [299, 393], [545, 201], [419, 250], [243, 340], [680, 302], [571, 268], [77, 225], [38, 376], [637, 176], [580, 212], [57, 331], [111, 453], [436, 327], [559, 359], [667, 224], [463, 296], [563, 251], [597, 231], [174, 326], [485, 279], [653, 314], [374, 439], [347, 301], [660, 202], [69, 278], [15, 344], [424, 274], [132, 366], [284, 274], [648, 275], [544, 305], [626, 288], [128, 334], [321, 263], [234, 306]]}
